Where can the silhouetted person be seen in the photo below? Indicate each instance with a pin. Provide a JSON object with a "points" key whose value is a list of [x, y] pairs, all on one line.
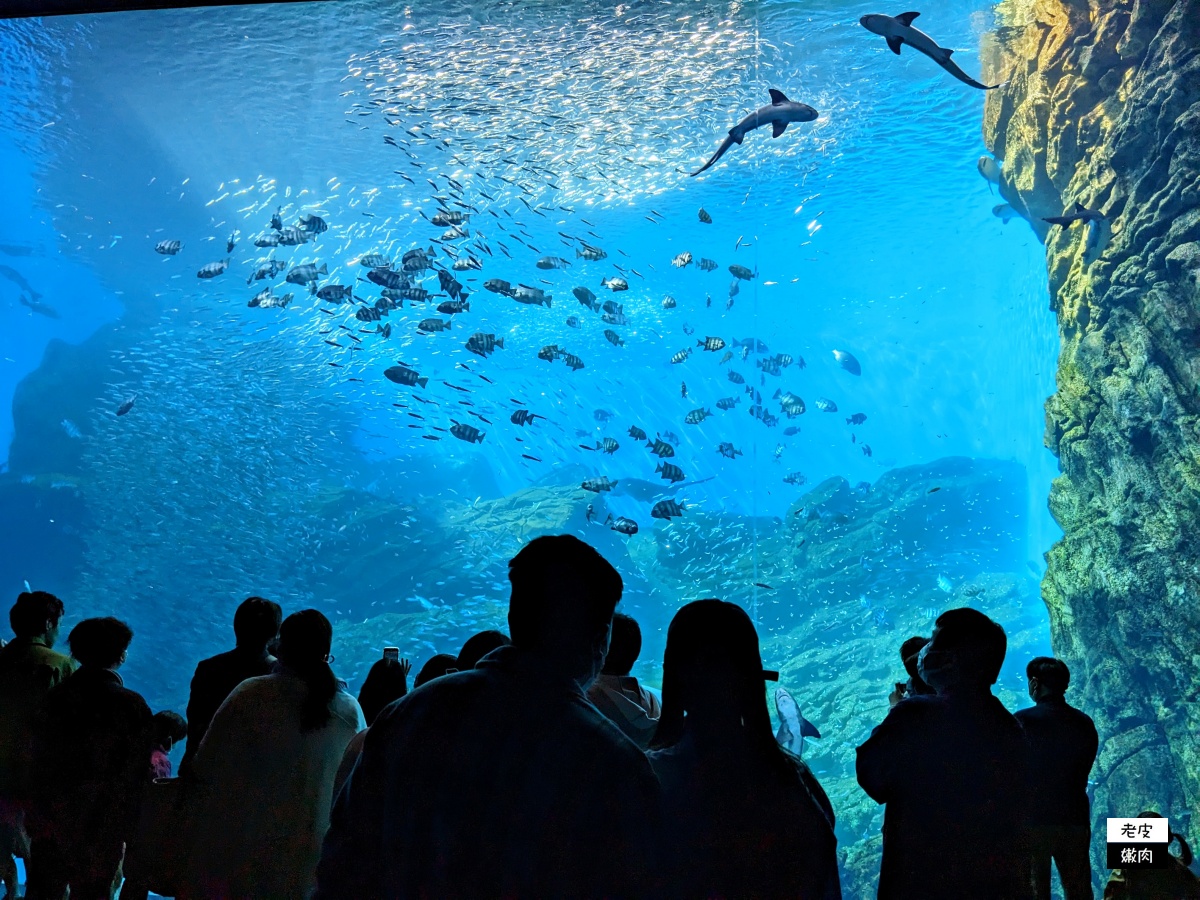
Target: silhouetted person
{"points": [[386, 683], [505, 781], [255, 626], [167, 729], [915, 686], [952, 769], [264, 774], [478, 646], [92, 747], [435, 667], [1175, 882], [617, 694], [742, 816], [29, 668], [1063, 745]]}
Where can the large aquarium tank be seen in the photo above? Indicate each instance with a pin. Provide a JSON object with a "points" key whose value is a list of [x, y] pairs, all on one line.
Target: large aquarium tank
{"points": [[342, 303]]}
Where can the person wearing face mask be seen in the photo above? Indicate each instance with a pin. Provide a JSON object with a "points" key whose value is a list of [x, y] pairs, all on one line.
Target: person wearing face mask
{"points": [[952, 769], [504, 781]]}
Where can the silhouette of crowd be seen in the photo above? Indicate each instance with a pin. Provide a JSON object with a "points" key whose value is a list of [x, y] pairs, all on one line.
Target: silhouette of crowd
{"points": [[529, 765]]}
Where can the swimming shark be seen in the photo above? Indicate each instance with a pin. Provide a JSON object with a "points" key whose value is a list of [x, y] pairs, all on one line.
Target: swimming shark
{"points": [[898, 30], [779, 115], [1098, 231], [793, 727]]}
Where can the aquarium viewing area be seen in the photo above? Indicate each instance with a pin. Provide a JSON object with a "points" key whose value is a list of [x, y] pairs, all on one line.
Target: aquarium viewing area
{"points": [[341, 304]]}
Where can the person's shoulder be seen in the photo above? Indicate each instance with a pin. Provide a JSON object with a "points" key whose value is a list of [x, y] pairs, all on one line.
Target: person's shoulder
{"points": [[346, 708]]}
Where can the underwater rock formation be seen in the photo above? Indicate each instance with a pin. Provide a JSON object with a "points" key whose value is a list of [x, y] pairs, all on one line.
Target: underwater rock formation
{"points": [[1102, 107]]}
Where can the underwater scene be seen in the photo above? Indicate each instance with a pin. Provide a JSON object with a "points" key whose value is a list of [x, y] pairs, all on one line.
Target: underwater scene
{"points": [[340, 304]]}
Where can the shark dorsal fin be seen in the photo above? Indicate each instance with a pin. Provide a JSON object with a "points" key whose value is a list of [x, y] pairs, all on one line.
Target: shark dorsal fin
{"points": [[1079, 207], [894, 45], [777, 97], [948, 52], [778, 128], [907, 17]]}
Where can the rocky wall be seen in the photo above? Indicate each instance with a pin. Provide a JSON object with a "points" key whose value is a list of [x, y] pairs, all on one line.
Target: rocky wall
{"points": [[1101, 107]]}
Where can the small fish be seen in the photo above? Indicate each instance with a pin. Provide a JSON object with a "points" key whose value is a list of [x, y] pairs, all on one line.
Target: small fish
{"points": [[388, 278], [615, 284], [856, 419], [707, 265], [726, 449], [683, 391], [267, 239], [466, 263], [796, 478], [735, 377], [741, 272], [269, 269], [306, 273], [553, 262], [623, 525], [590, 253], [313, 224], [125, 407], [602, 415], [532, 296], [790, 432], [335, 293], [705, 217], [945, 585], [467, 433], [587, 298], [696, 416], [452, 307], [368, 314], [406, 376], [213, 269], [574, 363], [933, 490], [598, 485], [432, 326], [608, 445], [1004, 212], [668, 302], [71, 429], [711, 344], [681, 356], [682, 260], [728, 402], [792, 405], [522, 417], [847, 362], [550, 352], [825, 405], [573, 322], [670, 471], [613, 338], [726, 358], [636, 433], [292, 237], [375, 261], [665, 509], [448, 217], [498, 286], [660, 448], [866, 449], [168, 248], [879, 617]]}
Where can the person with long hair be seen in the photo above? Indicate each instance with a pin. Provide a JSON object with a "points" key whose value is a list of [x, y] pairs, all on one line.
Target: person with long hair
{"points": [[262, 778], [742, 816]]}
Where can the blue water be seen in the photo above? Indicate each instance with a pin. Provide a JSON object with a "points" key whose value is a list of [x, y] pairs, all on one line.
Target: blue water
{"points": [[246, 458]]}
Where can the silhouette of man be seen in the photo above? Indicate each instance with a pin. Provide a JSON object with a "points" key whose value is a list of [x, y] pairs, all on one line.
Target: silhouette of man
{"points": [[952, 769], [91, 752], [255, 625], [617, 694], [1063, 745], [504, 781]]}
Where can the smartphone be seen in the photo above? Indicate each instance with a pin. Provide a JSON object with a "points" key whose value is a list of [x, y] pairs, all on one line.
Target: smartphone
{"points": [[901, 687], [391, 653]]}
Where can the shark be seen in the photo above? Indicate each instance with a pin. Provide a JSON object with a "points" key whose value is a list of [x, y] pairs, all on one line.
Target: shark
{"points": [[779, 115], [1098, 230], [898, 30]]}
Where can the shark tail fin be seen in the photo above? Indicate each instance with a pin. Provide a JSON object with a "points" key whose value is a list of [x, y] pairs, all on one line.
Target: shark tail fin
{"points": [[906, 18]]}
